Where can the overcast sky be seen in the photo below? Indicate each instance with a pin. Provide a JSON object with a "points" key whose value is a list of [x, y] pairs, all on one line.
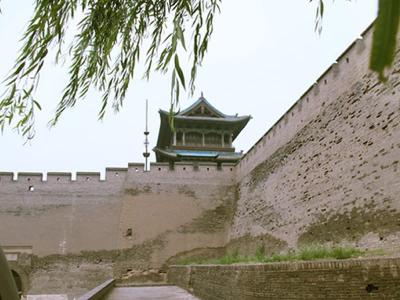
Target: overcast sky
{"points": [[263, 55]]}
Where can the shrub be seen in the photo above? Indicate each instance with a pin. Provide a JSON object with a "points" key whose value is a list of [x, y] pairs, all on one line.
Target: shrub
{"points": [[311, 252], [260, 252]]}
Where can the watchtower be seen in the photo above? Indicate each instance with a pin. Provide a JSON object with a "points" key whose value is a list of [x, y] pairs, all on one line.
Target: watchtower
{"points": [[199, 133]]}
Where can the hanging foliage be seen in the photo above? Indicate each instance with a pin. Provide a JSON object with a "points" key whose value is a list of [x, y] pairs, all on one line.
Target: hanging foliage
{"points": [[385, 36], [113, 36]]}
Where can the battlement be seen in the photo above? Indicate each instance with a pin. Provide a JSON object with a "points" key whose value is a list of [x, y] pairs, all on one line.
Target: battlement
{"points": [[326, 173], [115, 173], [339, 77], [196, 167]]}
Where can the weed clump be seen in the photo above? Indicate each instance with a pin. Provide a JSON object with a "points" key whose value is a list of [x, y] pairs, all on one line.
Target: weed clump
{"points": [[312, 252]]}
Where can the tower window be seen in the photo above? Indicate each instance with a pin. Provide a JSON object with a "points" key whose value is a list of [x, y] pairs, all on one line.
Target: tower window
{"points": [[213, 139], [193, 138], [179, 138], [226, 139]]}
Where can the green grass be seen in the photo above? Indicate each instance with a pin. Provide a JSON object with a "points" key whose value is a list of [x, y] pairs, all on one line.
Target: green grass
{"points": [[312, 252], [321, 252]]}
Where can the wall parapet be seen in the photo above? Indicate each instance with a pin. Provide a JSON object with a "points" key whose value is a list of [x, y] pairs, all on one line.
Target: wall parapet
{"points": [[6, 176], [88, 176], [305, 265], [375, 278], [325, 89], [114, 174]]}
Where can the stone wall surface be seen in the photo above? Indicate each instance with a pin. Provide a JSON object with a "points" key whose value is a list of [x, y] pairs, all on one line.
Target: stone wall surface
{"points": [[127, 226], [347, 280], [328, 171]]}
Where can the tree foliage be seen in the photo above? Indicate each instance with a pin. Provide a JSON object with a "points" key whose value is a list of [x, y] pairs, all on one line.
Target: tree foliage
{"points": [[385, 36], [114, 36]]}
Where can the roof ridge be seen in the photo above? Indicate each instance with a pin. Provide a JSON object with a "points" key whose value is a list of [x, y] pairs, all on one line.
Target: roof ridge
{"points": [[204, 100]]}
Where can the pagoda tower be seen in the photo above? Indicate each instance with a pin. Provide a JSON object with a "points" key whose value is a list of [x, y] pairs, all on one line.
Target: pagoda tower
{"points": [[200, 133]]}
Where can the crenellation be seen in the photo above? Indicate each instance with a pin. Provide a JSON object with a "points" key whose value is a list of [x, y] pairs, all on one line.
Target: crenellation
{"points": [[325, 90], [88, 176], [136, 165], [325, 172], [116, 169], [6, 177], [208, 168], [116, 175], [316, 88], [59, 177], [135, 169], [360, 45], [184, 166], [345, 56], [30, 177], [229, 166], [326, 155], [160, 167], [210, 164]]}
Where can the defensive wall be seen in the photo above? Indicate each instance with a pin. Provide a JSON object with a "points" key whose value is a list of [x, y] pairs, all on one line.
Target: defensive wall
{"points": [[330, 280], [326, 172], [128, 225]]}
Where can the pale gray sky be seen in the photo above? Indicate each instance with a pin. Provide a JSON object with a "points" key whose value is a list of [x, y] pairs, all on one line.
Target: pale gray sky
{"points": [[263, 55]]}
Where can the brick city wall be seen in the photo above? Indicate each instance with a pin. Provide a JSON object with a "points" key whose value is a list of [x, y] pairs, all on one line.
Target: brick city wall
{"points": [[351, 279], [327, 171], [128, 225]]}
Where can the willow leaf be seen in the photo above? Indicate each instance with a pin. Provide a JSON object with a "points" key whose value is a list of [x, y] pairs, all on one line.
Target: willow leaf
{"points": [[179, 71], [384, 36]]}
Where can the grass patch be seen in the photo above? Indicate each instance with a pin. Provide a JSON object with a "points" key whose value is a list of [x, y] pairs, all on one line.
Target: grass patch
{"points": [[321, 252], [313, 252]]}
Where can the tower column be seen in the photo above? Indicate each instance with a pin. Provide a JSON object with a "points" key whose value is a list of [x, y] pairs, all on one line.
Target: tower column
{"points": [[174, 139], [183, 138], [203, 138], [222, 139]]}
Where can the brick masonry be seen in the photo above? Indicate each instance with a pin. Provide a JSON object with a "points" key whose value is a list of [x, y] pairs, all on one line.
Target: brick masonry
{"points": [[350, 279], [326, 172], [86, 230]]}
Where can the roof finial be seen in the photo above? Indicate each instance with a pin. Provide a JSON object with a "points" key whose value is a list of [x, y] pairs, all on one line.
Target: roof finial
{"points": [[201, 95]]}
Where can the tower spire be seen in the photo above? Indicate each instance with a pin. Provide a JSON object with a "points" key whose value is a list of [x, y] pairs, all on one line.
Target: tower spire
{"points": [[146, 153]]}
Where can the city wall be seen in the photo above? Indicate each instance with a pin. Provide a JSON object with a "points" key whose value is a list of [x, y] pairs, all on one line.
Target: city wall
{"points": [[86, 230], [328, 171], [330, 280]]}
